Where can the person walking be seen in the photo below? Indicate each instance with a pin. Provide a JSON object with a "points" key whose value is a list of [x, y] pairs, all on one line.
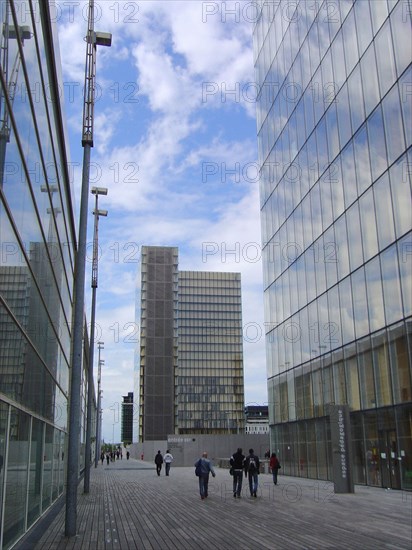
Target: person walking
{"points": [[127, 455], [168, 459], [252, 471], [237, 462], [274, 466], [203, 467], [158, 461]]}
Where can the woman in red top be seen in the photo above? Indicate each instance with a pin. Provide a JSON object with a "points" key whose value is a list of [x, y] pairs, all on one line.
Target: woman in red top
{"points": [[274, 465]]}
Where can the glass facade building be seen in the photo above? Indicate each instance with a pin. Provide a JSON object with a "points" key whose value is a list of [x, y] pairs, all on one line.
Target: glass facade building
{"points": [[334, 136], [209, 389], [37, 241], [191, 354]]}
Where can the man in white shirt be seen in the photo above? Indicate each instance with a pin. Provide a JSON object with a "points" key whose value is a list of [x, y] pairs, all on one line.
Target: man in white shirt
{"points": [[168, 459]]}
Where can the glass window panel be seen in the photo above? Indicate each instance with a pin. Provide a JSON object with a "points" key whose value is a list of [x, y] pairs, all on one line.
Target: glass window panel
{"points": [[393, 124], [326, 198], [336, 182], [360, 306], [406, 105], [355, 243], [317, 387], [384, 212], [4, 413], [322, 146], [363, 25], [362, 162], [350, 42], [401, 372], [368, 224], [379, 12], [377, 145], [16, 489], [304, 331], [47, 474], [349, 175], [382, 375], [384, 56], [316, 212], [391, 285], [401, 35], [401, 196], [342, 108], [367, 382], [300, 269], [327, 379], [342, 250], [35, 474], [357, 111], [332, 130], [405, 266], [370, 80], [347, 315], [339, 71], [374, 295], [330, 255], [339, 383], [352, 378], [334, 326]]}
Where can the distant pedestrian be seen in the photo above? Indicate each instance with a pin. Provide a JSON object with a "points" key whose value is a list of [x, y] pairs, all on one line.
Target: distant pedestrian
{"points": [[252, 471], [274, 466], [107, 458], [237, 462], [203, 467], [158, 461], [127, 455], [102, 457], [267, 454], [168, 459]]}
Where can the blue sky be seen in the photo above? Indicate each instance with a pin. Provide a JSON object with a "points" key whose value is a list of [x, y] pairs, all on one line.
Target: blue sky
{"points": [[175, 144]]}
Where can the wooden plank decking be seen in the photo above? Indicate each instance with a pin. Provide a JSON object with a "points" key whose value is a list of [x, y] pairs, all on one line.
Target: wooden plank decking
{"points": [[129, 507]]}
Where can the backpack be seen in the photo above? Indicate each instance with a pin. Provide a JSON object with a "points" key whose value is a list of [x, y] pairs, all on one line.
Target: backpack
{"points": [[252, 465], [198, 469]]}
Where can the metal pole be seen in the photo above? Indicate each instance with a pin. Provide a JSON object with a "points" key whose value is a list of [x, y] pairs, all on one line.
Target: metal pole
{"points": [[79, 282], [87, 462], [76, 374], [99, 374]]}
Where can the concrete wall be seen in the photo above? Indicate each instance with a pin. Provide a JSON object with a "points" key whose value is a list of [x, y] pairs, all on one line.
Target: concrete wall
{"points": [[186, 449]]}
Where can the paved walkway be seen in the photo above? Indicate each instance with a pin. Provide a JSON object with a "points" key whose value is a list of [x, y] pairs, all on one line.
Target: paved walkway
{"points": [[130, 507]]}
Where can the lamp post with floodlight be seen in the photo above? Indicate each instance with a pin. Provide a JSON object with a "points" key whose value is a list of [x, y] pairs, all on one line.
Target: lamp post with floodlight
{"points": [[96, 191], [93, 39]]}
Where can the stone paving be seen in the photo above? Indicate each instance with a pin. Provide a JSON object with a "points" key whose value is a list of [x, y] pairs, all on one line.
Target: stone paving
{"points": [[130, 507]]}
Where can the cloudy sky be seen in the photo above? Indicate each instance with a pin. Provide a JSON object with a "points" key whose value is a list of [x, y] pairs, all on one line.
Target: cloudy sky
{"points": [[175, 144]]}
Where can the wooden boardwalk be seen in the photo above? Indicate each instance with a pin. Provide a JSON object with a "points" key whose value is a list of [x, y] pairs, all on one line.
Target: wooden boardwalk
{"points": [[130, 507]]}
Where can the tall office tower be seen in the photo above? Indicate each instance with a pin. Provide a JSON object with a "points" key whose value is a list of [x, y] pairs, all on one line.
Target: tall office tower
{"points": [[158, 342], [334, 136], [191, 355], [209, 390], [127, 418]]}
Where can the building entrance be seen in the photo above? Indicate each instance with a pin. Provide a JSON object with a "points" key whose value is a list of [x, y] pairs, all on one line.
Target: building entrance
{"points": [[389, 459]]}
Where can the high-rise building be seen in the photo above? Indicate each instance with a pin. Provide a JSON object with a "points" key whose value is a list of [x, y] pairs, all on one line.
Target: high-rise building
{"points": [[158, 341], [38, 245], [127, 418], [191, 355], [209, 384], [334, 136]]}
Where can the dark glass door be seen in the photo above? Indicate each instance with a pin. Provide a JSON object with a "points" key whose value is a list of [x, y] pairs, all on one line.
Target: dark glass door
{"points": [[390, 464]]}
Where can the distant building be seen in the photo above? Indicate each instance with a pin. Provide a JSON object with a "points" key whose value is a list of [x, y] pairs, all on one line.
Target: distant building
{"points": [[191, 354], [257, 419], [127, 418]]}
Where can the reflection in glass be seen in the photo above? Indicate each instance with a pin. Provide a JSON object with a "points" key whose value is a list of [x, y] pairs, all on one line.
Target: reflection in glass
{"points": [[366, 378], [381, 365], [391, 285]]}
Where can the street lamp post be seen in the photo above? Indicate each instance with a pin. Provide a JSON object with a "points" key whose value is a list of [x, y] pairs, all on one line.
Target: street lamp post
{"points": [[100, 346], [95, 261], [93, 39]]}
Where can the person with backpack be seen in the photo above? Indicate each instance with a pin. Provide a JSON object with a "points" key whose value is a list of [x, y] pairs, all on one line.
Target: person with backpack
{"points": [[237, 462], [274, 466], [252, 465], [158, 461], [168, 459], [203, 467]]}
